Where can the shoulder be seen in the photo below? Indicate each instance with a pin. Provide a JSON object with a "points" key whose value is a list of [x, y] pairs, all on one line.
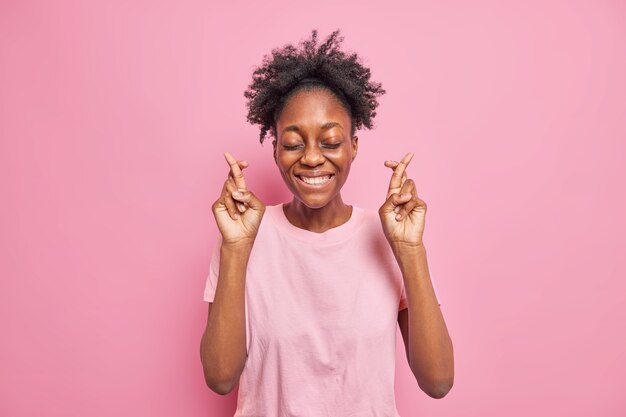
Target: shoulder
{"points": [[271, 214], [369, 218], [371, 231], [274, 220]]}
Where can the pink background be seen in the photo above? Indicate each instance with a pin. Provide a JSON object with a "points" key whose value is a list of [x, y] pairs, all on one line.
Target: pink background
{"points": [[113, 119]]}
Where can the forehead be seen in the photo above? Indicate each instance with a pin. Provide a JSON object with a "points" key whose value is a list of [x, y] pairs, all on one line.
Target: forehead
{"points": [[311, 109]]}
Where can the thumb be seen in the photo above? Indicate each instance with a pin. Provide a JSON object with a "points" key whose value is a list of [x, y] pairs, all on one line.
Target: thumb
{"points": [[394, 200], [245, 196]]}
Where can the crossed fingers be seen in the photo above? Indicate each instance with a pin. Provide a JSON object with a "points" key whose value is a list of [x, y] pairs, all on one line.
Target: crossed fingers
{"points": [[399, 173], [235, 182], [393, 165], [406, 199], [235, 171]]}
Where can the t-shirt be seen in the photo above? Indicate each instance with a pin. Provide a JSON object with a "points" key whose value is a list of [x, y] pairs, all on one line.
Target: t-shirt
{"points": [[321, 313]]}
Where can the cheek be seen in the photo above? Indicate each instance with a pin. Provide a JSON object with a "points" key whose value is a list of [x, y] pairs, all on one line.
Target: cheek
{"points": [[341, 159], [284, 161]]}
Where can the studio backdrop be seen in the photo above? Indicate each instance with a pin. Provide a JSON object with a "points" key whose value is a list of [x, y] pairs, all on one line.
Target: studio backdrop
{"points": [[114, 117]]}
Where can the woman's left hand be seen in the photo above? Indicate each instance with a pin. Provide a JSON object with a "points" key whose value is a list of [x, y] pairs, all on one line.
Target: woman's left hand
{"points": [[403, 214]]}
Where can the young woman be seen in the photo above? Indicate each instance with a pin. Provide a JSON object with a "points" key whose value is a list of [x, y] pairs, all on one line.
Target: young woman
{"points": [[304, 296]]}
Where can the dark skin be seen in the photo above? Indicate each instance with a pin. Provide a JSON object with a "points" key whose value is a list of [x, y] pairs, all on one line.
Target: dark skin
{"points": [[313, 144], [314, 138]]}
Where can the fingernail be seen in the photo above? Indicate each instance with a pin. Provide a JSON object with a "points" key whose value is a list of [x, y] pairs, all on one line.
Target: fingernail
{"points": [[237, 194], [405, 195], [236, 216], [396, 209], [398, 216]]}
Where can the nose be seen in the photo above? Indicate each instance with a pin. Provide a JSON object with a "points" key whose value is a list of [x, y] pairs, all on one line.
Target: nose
{"points": [[312, 156]]}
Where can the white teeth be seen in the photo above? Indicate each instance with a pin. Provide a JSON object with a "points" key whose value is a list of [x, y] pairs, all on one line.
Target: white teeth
{"points": [[316, 180]]}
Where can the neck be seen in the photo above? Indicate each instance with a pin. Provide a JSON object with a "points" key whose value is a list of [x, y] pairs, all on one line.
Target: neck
{"points": [[318, 220]]}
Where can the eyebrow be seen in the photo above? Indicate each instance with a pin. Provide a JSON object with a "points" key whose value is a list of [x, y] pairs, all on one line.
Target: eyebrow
{"points": [[327, 125]]}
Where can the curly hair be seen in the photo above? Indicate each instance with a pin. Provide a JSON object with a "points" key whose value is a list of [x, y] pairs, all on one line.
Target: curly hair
{"points": [[289, 69]]}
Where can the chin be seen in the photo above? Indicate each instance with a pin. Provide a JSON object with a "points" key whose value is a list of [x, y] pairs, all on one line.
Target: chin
{"points": [[314, 204], [313, 201]]}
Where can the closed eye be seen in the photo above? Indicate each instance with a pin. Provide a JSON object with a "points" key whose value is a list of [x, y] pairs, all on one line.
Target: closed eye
{"points": [[332, 145], [292, 147]]}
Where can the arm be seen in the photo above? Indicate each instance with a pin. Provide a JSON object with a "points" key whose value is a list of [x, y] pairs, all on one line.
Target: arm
{"points": [[238, 213], [426, 338], [425, 334], [223, 344]]}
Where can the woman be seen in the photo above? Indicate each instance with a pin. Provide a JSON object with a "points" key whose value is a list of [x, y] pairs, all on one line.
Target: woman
{"points": [[304, 296]]}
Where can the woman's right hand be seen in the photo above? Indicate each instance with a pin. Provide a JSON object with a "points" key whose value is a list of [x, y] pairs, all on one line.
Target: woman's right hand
{"points": [[238, 216]]}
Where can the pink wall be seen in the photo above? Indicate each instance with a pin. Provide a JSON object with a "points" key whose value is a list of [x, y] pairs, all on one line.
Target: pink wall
{"points": [[113, 120]]}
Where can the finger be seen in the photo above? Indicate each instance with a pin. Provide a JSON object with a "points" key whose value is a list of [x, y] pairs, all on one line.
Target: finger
{"points": [[398, 172], [408, 187], [237, 175], [242, 165], [231, 188], [398, 200], [393, 165], [397, 190], [248, 197], [400, 169], [407, 208], [231, 205], [392, 201], [406, 192]]}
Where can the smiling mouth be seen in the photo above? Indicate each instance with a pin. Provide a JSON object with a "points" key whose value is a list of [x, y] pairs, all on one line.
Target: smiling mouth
{"points": [[316, 181]]}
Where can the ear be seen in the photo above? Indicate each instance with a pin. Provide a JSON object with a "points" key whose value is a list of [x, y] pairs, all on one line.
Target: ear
{"points": [[355, 146]]}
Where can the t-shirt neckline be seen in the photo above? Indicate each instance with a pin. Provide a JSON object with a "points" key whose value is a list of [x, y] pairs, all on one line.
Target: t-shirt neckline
{"points": [[332, 235]]}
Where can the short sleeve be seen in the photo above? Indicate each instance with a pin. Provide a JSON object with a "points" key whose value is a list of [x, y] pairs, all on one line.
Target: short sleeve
{"points": [[214, 268]]}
